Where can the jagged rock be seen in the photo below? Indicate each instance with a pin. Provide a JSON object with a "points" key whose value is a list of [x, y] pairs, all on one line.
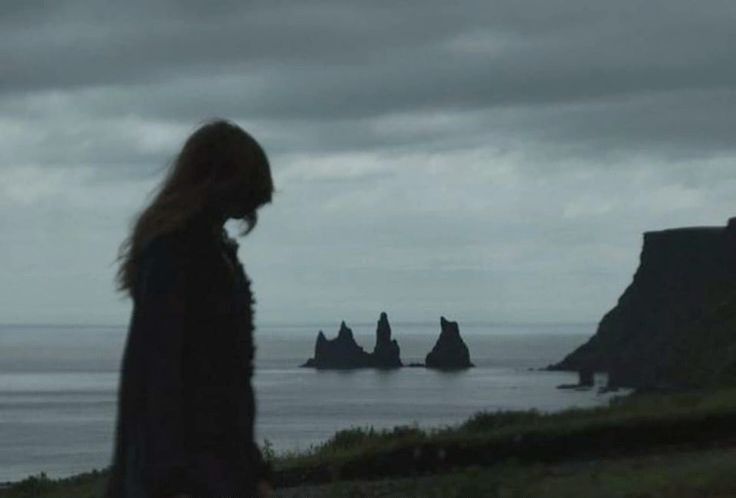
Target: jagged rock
{"points": [[675, 324], [586, 377], [449, 351], [340, 352], [586, 380], [344, 352], [386, 353]]}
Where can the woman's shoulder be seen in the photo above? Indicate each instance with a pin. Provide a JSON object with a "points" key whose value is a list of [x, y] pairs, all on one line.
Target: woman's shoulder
{"points": [[162, 258], [160, 246], [174, 242]]}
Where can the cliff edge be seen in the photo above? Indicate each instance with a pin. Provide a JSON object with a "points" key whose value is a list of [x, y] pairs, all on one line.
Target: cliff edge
{"points": [[675, 324]]}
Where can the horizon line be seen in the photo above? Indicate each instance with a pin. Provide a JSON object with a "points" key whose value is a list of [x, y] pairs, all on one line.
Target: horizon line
{"points": [[321, 324]]}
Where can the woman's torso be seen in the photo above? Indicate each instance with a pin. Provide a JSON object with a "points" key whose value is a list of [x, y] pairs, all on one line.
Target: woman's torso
{"points": [[218, 348]]}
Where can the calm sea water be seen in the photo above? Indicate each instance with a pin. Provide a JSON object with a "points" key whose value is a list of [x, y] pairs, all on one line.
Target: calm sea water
{"points": [[58, 387]]}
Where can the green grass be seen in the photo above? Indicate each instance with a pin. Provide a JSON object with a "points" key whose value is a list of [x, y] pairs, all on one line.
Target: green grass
{"points": [[630, 423], [518, 442], [86, 485], [700, 474]]}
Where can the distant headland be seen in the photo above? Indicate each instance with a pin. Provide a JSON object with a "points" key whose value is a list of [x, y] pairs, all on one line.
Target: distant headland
{"points": [[449, 352], [674, 326]]}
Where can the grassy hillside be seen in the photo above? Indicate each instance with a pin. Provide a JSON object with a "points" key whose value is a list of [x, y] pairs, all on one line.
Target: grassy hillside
{"points": [[705, 473], [500, 449]]}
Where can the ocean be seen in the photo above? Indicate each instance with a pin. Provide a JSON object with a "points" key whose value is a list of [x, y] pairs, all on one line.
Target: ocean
{"points": [[58, 387]]}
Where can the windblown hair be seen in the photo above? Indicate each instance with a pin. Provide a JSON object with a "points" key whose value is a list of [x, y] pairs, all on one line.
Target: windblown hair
{"points": [[218, 162]]}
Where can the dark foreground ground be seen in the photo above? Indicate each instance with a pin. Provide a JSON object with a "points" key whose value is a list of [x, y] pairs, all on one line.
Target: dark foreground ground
{"points": [[677, 445], [677, 474]]}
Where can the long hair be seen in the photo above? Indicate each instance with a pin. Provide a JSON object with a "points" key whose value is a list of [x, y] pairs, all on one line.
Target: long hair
{"points": [[218, 163]]}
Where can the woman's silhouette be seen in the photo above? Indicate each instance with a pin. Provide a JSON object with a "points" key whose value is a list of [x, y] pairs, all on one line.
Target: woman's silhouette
{"points": [[186, 405]]}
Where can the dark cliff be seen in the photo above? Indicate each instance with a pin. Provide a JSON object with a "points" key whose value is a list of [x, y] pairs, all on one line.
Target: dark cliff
{"points": [[450, 351], [675, 324]]}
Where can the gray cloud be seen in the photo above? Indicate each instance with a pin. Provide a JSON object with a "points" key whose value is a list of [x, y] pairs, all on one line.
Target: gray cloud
{"points": [[498, 159]]}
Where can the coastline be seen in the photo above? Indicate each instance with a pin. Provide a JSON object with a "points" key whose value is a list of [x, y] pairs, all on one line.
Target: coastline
{"points": [[635, 426]]}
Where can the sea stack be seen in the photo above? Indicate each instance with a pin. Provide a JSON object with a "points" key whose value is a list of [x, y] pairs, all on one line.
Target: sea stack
{"points": [[386, 353], [450, 351], [339, 353]]}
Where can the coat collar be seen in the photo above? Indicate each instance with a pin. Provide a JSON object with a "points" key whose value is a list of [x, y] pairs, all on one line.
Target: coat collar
{"points": [[202, 225], [201, 230]]}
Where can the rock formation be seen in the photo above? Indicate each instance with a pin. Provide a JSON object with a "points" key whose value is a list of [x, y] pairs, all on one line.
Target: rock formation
{"points": [[343, 352], [586, 380], [386, 353], [340, 352], [450, 351], [675, 324]]}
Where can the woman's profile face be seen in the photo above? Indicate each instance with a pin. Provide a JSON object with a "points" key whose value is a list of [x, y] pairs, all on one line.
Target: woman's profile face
{"points": [[237, 210], [239, 201], [248, 186]]}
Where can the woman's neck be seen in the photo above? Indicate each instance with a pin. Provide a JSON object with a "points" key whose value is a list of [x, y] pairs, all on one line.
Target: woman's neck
{"points": [[209, 222]]}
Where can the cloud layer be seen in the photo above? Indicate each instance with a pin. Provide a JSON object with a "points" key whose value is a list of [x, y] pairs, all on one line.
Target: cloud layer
{"points": [[486, 160]]}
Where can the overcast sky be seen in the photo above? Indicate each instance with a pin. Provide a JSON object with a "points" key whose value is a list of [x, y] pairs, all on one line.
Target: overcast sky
{"points": [[489, 161]]}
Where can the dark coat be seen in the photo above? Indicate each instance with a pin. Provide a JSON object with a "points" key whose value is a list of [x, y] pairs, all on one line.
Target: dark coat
{"points": [[186, 406]]}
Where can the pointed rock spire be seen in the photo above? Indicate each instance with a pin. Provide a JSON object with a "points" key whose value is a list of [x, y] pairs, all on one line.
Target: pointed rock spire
{"points": [[386, 352], [450, 351]]}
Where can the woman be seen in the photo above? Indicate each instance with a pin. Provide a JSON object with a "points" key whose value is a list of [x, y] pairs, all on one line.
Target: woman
{"points": [[186, 405]]}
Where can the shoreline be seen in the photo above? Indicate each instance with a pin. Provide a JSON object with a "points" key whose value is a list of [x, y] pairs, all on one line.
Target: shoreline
{"points": [[6, 485], [632, 425]]}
